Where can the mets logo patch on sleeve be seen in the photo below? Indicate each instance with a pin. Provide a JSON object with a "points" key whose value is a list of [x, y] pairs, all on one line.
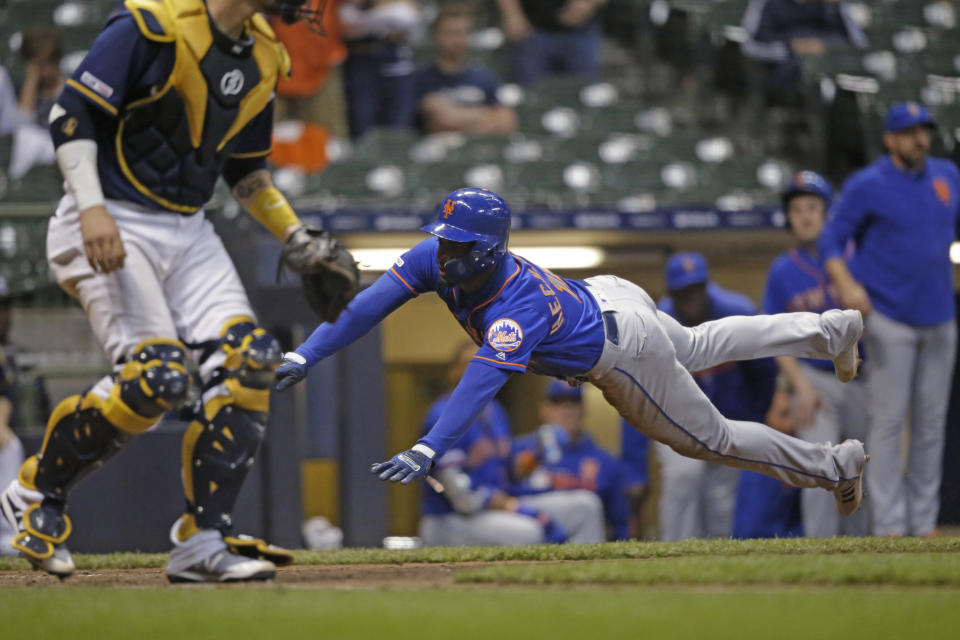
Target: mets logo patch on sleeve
{"points": [[505, 335]]}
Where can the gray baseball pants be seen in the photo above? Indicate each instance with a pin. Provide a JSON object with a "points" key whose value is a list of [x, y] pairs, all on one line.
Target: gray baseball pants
{"points": [[841, 415], [644, 372], [579, 512], [696, 497], [908, 372]]}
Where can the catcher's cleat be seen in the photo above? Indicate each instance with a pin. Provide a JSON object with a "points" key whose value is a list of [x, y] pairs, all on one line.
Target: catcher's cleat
{"points": [[849, 492], [224, 566], [202, 555], [847, 362], [41, 530]]}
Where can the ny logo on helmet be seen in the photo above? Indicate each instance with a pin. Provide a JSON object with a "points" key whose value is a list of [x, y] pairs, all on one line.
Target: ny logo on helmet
{"points": [[447, 209]]}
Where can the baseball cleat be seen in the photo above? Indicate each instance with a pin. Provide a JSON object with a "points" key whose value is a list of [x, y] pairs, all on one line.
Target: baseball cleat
{"points": [[54, 558], [849, 492], [847, 363], [224, 566]]}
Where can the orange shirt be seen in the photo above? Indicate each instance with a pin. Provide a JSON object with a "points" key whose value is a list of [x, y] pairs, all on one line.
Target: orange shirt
{"points": [[311, 55]]}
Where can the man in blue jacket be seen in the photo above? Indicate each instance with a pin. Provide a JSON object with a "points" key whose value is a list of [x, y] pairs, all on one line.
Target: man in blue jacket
{"points": [[902, 213]]}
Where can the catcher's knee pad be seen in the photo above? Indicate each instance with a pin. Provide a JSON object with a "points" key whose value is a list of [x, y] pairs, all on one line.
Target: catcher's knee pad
{"points": [[44, 524], [85, 430], [251, 355]]}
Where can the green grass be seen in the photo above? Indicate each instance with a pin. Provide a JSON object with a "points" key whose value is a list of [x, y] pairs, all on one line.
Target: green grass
{"points": [[232, 614], [608, 551], [902, 569]]}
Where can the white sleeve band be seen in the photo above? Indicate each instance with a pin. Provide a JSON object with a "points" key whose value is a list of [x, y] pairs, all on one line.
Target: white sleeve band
{"points": [[78, 164], [425, 450]]}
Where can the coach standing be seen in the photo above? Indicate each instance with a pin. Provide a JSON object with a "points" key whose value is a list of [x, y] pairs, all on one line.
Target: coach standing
{"points": [[902, 213]]}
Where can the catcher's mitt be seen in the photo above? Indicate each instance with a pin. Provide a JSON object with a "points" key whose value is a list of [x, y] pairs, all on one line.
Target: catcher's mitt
{"points": [[328, 271]]}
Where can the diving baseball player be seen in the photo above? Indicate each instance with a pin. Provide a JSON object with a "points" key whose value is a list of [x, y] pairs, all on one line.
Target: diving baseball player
{"points": [[603, 330], [171, 95]]}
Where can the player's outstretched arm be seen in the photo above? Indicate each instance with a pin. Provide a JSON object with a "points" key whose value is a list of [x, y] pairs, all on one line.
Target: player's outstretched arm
{"points": [[476, 389], [253, 188], [364, 312]]}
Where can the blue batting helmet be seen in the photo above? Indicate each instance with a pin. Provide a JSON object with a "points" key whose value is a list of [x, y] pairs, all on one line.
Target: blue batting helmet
{"points": [[473, 215], [808, 182]]}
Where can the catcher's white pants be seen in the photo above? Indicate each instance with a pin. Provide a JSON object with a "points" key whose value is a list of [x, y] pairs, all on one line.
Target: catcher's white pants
{"points": [[177, 281], [646, 377]]}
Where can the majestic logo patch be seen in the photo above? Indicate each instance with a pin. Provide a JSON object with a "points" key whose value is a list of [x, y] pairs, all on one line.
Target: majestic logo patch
{"points": [[447, 209], [505, 335], [942, 190], [231, 83], [399, 261], [99, 86]]}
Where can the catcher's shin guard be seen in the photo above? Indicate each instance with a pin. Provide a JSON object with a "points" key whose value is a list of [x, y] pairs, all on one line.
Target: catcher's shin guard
{"points": [[219, 447], [85, 431]]}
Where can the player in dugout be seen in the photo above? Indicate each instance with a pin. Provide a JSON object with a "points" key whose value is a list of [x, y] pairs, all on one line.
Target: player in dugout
{"points": [[171, 96], [603, 330]]}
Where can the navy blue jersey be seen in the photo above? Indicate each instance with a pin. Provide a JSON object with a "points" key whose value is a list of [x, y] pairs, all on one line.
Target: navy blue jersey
{"points": [[798, 281], [903, 224], [472, 86], [483, 453], [524, 316], [581, 465], [766, 508], [123, 68]]}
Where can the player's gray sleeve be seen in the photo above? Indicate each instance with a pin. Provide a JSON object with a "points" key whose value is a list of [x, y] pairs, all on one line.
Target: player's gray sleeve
{"points": [[464, 499]]}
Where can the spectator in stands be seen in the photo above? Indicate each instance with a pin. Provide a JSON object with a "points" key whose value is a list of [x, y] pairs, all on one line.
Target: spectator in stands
{"points": [[314, 91], [41, 50], [551, 36], [561, 456], [782, 32], [634, 453], [697, 497], [824, 409], [476, 507], [11, 451], [378, 72], [451, 94], [902, 210]]}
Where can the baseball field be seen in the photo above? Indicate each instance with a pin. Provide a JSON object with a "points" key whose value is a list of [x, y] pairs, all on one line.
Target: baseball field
{"points": [[769, 589]]}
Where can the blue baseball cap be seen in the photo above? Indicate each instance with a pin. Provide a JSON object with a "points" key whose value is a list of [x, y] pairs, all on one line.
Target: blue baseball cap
{"points": [[686, 268], [811, 183], [560, 391], [905, 115]]}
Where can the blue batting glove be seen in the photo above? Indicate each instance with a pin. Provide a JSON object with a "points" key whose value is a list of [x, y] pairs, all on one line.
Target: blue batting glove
{"points": [[292, 371], [407, 466]]}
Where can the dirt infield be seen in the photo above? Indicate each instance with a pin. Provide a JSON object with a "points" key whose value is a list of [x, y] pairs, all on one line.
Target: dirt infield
{"points": [[405, 576]]}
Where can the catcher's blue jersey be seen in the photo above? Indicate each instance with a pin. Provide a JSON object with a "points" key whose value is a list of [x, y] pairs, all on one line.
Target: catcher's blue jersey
{"points": [[523, 317]]}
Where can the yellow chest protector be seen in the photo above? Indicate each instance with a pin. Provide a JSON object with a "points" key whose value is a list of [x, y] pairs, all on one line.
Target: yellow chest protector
{"points": [[171, 144]]}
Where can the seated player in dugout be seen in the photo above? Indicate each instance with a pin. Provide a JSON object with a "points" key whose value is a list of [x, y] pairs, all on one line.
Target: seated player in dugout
{"points": [[603, 330], [560, 457], [171, 96], [477, 506]]}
